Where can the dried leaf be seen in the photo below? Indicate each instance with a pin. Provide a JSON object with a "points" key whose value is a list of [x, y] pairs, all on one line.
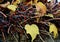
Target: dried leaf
{"points": [[41, 6]]}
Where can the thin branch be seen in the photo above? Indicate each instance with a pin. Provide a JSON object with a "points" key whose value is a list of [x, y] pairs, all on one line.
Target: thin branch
{"points": [[14, 36], [12, 2], [52, 19], [41, 38], [48, 34], [3, 37], [9, 29], [3, 14]]}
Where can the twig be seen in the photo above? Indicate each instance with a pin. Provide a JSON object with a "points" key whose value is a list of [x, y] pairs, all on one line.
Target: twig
{"points": [[12, 1], [3, 14], [14, 36], [48, 34], [41, 38], [52, 19], [28, 19], [28, 9], [3, 37], [9, 29]]}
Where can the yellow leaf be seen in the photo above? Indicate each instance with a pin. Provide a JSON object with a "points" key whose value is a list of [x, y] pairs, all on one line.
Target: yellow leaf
{"points": [[32, 2], [12, 7], [53, 29], [32, 30], [16, 2], [50, 15]]}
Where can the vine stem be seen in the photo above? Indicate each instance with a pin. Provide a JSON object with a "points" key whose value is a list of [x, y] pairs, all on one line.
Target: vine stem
{"points": [[12, 2], [48, 34], [40, 21], [53, 19], [41, 38], [9, 29], [3, 14], [14, 36], [3, 37], [29, 18]]}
